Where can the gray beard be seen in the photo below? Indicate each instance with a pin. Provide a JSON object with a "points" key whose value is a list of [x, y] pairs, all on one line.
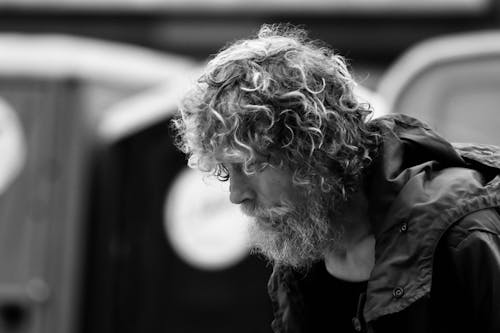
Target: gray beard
{"points": [[296, 234]]}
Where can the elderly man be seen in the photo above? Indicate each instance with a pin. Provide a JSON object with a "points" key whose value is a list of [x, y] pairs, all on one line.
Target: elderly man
{"points": [[372, 226]]}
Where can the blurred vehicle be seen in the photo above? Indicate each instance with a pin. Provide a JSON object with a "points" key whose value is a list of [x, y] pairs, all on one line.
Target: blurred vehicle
{"points": [[451, 82]]}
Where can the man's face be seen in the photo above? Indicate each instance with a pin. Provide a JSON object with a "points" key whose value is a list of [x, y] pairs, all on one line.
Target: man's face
{"points": [[291, 227]]}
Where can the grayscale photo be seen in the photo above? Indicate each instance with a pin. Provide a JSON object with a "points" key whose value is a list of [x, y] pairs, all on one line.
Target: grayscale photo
{"points": [[230, 166]]}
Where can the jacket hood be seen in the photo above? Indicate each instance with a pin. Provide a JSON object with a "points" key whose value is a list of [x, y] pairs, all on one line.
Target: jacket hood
{"points": [[407, 145]]}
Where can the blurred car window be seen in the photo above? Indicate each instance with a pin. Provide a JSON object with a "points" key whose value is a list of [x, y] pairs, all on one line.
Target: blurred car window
{"points": [[12, 146]]}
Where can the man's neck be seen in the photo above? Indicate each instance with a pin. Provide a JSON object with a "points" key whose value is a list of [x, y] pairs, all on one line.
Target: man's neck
{"points": [[355, 264], [357, 258]]}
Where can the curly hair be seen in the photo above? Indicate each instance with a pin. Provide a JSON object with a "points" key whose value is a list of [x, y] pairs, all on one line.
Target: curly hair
{"points": [[278, 99]]}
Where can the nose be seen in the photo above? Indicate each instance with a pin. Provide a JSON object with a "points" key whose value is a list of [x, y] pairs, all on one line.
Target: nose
{"points": [[239, 188]]}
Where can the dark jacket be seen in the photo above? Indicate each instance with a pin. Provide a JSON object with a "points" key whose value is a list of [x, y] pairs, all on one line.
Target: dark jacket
{"points": [[435, 213]]}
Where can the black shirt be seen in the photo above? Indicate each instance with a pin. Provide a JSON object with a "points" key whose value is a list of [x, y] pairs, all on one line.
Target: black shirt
{"points": [[330, 304]]}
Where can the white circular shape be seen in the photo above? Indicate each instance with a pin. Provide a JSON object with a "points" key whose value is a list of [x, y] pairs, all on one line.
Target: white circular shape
{"points": [[12, 146], [203, 227]]}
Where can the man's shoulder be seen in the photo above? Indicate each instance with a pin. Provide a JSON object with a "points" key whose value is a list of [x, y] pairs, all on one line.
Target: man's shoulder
{"points": [[394, 119], [473, 225], [488, 155]]}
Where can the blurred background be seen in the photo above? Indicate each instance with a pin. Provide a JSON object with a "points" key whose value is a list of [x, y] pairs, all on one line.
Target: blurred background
{"points": [[102, 227]]}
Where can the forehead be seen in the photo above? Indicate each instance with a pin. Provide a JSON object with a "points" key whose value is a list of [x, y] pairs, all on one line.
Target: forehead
{"points": [[235, 156], [273, 174]]}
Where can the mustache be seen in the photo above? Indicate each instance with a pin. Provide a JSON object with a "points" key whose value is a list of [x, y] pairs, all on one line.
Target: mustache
{"points": [[254, 209], [270, 216]]}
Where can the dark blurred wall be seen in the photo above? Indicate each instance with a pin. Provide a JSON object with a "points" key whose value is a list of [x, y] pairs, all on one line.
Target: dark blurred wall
{"points": [[374, 38]]}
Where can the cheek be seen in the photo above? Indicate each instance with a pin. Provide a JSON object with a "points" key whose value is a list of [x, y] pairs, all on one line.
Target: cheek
{"points": [[276, 187]]}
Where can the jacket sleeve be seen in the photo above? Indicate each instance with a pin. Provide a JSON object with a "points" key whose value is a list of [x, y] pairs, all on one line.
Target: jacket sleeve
{"points": [[476, 259]]}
